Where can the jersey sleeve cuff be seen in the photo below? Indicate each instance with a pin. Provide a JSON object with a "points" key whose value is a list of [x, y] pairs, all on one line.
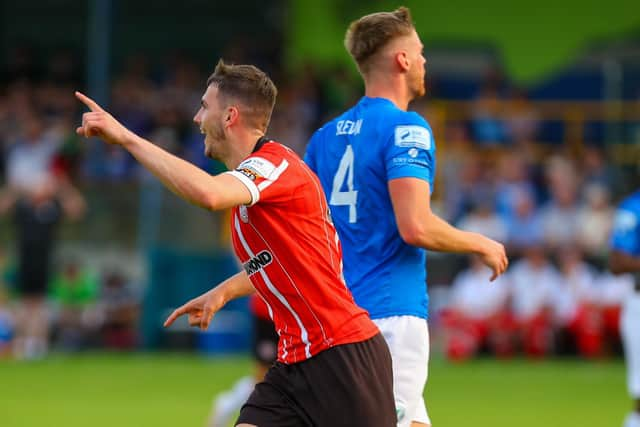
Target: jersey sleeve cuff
{"points": [[251, 186]]}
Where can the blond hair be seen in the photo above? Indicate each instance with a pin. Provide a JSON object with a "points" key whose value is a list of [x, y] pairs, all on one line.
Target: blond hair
{"points": [[368, 35]]}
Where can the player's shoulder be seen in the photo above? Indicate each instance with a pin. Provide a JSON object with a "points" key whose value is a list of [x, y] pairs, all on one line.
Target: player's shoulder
{"points": [[408, 129], [329, 127], [268, 159], [396, 116]]}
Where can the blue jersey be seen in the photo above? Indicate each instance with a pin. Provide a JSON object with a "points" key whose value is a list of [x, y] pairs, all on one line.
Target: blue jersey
{"points": [[626, 226], [355, 155]]}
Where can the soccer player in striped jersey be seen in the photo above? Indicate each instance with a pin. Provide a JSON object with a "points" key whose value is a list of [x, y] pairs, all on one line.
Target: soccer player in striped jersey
{"points": [[333, 367], [376, 163]]}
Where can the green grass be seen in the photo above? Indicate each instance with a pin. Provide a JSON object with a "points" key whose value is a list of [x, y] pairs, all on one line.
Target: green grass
{"points": [[176, 390]]}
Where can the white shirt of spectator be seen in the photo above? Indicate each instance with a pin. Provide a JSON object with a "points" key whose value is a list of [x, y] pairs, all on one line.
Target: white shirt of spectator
{"points": [[475, 296], [532, 289], [614, 290], [29, 165]]}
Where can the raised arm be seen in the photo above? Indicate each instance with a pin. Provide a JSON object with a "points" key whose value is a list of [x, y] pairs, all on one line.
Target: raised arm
{"points": [[186, 180]]}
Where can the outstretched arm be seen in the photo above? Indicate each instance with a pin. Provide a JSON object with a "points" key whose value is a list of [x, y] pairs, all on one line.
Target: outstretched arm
{"points": [[419, 226], [186, 180], [202, 309]]}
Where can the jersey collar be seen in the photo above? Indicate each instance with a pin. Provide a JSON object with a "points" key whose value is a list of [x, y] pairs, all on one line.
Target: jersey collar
{"points": [[261, 141]]}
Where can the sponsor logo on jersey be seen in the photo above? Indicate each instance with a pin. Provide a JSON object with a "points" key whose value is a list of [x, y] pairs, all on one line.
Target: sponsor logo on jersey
{"points": [[413, 152], [348, 127], [258, 262], [413, 136], [256, 166], [410, 161], [249, 173]]}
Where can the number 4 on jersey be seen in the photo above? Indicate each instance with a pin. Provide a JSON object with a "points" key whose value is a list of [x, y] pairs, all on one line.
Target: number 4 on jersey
{"points": [[349, 197]]}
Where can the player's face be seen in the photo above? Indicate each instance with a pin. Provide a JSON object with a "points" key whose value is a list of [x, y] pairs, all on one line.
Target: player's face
{"points": [[417, 68], [210, 120]]}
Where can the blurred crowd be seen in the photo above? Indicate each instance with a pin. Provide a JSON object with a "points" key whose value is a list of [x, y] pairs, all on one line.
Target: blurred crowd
{"points": [[552, 207]]}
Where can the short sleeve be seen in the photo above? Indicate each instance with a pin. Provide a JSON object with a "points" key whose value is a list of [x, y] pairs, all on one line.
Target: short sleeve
{"points": [[410, 150], [624, 236], [262, 174]]}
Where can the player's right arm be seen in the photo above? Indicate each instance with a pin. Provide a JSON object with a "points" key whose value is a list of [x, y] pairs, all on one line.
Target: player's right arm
{"points": [[202, 309], [625, 242], [186, 180], [419, 226]]}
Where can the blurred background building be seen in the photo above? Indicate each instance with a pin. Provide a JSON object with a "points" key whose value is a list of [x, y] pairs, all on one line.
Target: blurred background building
{"points": [[536, 114]]}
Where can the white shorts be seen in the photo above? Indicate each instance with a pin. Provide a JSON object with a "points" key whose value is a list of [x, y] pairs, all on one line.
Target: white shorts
{"points": [[630, 329], [408, 341]]}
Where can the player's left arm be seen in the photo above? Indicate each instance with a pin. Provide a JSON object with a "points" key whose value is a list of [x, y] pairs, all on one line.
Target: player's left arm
{"points": [[186, 180], [202, 309], [410, 163]]}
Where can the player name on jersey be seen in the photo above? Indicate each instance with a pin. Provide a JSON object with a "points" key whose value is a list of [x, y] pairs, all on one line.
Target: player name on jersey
{"points": [[348, 127]]}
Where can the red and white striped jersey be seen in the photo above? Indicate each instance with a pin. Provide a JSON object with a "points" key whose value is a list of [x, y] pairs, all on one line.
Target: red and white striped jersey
{"points": [[290, 250], [258, 307]]}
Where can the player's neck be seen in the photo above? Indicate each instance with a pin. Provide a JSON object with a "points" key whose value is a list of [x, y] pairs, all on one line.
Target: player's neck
{"points": [[393, 90], [240, 147]]}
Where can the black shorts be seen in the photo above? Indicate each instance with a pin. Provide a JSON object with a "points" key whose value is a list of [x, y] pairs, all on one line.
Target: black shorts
{"points": [[265, 341], [348, 385]]}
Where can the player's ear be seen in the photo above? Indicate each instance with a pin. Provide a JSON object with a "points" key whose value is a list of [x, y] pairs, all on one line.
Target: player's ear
{"points": [[402, 60], [231, 115]]}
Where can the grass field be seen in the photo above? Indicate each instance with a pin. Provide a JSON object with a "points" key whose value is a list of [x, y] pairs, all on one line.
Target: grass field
{"points": [[176, 390]]}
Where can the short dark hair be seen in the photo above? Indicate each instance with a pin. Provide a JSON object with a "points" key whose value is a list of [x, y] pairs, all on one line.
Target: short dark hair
{"points": [[250, 87], [368, 35]]}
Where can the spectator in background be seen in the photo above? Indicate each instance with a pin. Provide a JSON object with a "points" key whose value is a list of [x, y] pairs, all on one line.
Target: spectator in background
{"points": [[120, 306], [595, 169], [477, 315], [75, 292], [559, 215], [20, 65], [472, 186], [594, 222], [487, 122], [452, 163], [576, 305], [294, 116], [535, 283], [39, 198], [513, 180], [132, 96], [483, 219], [522, 122], [524, 227]]}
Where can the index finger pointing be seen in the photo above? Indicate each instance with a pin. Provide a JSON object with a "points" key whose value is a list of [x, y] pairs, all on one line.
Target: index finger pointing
{"points": [[93, 105], [173, 316]]}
